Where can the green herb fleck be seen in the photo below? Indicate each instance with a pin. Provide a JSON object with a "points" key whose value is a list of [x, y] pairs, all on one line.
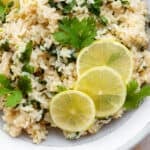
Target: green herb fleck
{"points": [[104, 20], [68, 7], [24, 84], [75, 33], [13, 99], [95, 7], [61, 88], [125, 2], [4, 91], [25, 57], [28, 68], [4, 81], [63, 6], [4, 10], [135, 95], [5, 46]]}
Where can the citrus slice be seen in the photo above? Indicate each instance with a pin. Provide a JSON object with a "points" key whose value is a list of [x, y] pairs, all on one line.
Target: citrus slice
{"points": [[15, 2], [72, 111], [106, 53], [105, 86]]}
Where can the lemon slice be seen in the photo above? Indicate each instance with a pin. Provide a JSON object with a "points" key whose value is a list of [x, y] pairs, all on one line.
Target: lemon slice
{"points": [[106, 53], [105, 86], [72, 111]]}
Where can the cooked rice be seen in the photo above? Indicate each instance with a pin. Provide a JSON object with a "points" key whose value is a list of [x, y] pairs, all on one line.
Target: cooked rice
{"points": [[37, 21]]}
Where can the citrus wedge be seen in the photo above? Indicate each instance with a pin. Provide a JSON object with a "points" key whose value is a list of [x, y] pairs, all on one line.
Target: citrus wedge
{"points": [[72, 111], [105, 86], [106, 53]]}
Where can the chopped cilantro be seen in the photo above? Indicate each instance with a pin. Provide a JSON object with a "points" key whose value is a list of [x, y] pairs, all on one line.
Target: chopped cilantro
{"points": [[24, 84], [135, 95], [4, 81], [95, 7], [75, 33], [68, 7], [125, 2], [4, 10], [63, 6], [25, 57], [13, 98], [28, 68], [5, 46], [4, 91], [104, 20], [61, 88]]}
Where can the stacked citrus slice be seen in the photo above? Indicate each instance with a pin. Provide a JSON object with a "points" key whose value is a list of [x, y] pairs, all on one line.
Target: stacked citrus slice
{"points": [[104, 69]]}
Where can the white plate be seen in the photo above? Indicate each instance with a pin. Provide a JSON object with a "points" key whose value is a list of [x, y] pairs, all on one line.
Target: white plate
{"points": [[120, 134]]}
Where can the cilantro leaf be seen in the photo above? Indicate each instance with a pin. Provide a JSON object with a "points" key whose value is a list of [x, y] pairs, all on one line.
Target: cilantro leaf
{"points": [[135, 96], [104, 20], [28, 68], [4, 10], [75, 33], [125, 2], [25, 57], [24, 84], [5, 46], [95, 7], [61, 88], [4, 91], [63, 6], [68, 7], [4, 81], [13, 99]]}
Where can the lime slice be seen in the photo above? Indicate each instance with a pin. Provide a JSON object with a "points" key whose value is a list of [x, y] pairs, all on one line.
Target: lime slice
{"points": [[106, 88], [72, 111], [15, 2], [106, 53]]}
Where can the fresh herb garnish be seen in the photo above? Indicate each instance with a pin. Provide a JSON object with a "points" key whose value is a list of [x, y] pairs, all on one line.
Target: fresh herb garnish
{"points": [[61, 88], [4, 10], [95, 7], [104, 20], [125, 2], [68, 7], [75, 33], [25, 57], [28, 68], [63, 6], [13, 96], [4, 81], [135, 95], [5, 46], [24, 84]]}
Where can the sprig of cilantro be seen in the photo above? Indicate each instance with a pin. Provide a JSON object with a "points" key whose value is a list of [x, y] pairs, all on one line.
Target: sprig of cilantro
{"points": [[135, 95], [75, 33]]}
